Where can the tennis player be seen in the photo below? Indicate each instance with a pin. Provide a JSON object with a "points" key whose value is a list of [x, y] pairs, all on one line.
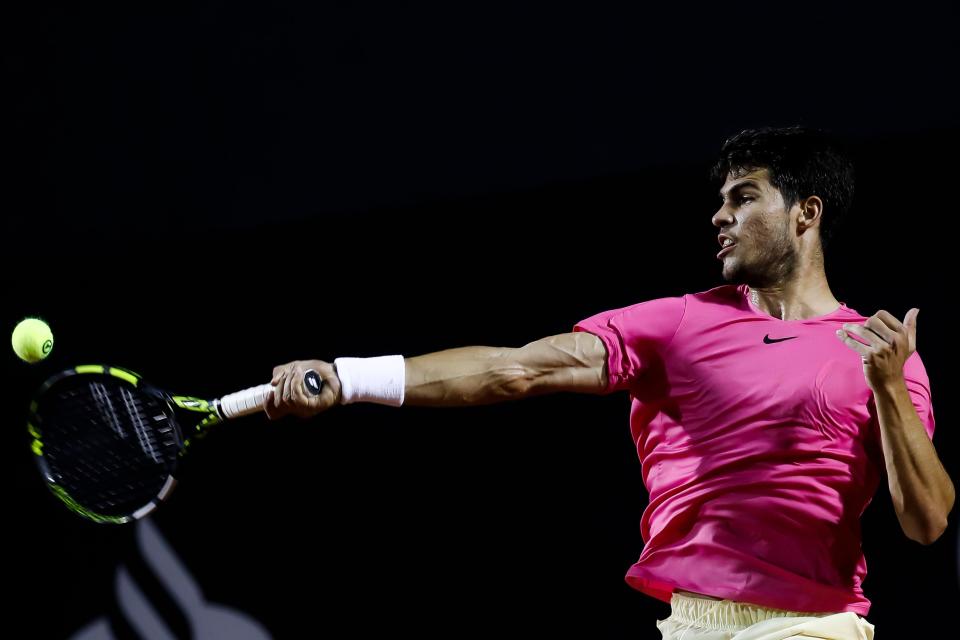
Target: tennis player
{"points": [[765, 411]]}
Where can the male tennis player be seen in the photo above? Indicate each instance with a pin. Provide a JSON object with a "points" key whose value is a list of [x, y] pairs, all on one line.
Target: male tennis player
{"points": [[764, 411]]}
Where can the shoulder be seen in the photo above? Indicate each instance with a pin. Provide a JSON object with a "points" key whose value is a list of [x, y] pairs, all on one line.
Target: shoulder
{"points": [[724, 294], [674, 308], [719, 300], [645, 307], [655, 317], [914, 369]]}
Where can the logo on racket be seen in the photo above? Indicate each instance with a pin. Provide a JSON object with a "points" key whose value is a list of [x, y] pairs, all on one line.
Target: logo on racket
{"points": [[312, 382]]}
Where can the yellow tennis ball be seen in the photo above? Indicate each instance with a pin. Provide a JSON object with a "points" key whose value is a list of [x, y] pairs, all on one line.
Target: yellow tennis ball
{"points": [[32, 340]]}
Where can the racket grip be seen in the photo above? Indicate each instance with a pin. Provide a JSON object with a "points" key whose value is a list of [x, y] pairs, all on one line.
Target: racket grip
{"points": [[243, 403]]}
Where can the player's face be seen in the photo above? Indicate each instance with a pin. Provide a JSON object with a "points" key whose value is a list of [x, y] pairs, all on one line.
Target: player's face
{"points": [[753, 214]]}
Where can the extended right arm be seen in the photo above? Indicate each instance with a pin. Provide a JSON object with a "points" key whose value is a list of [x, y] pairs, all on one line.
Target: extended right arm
{"points": [[484, 375], [466, 376]]}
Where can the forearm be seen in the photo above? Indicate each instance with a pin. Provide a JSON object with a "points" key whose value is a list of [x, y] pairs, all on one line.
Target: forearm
{"points": [[453, 378], [484, 375], [922, 492], [462, 377]]}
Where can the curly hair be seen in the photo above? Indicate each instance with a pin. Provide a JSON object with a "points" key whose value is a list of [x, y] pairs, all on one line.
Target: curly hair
{"points": [[802, 162]]}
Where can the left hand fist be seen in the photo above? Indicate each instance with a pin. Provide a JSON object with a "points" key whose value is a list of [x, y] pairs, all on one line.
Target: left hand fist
{"points": [[888, 345]]}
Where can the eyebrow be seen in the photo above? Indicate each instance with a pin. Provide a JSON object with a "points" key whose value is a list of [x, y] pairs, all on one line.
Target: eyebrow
{"points": [[746, 184]]}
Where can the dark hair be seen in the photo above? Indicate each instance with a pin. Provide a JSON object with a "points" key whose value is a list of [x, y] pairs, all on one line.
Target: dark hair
{"points": [[802, 163]]}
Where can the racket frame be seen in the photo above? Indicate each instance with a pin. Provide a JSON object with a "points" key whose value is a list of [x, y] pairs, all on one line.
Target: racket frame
{"points": [[210, 409]]}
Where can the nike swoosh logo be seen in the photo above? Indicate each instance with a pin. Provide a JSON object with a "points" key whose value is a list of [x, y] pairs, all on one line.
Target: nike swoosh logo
{"points": [[768, 340]]}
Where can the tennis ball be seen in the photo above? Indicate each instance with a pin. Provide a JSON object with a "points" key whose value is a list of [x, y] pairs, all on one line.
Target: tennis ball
{"points": [[32, 340]]}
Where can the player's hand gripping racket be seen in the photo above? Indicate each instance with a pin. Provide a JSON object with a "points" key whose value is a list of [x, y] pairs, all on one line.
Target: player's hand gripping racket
{"points": [[107, 443]]}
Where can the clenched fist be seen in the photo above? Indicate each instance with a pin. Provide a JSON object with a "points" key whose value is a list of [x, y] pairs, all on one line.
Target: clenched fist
{"points": [[289, 395]]}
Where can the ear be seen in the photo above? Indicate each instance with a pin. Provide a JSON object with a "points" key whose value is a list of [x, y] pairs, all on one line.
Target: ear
{"points": [[810, 211]]}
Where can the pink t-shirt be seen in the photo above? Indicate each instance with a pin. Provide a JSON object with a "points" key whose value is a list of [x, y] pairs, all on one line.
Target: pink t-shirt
{"points": [[759, 446]]}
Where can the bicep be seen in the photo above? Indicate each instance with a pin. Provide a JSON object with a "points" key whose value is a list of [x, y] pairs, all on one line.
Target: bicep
{"points": [[565, 362]]}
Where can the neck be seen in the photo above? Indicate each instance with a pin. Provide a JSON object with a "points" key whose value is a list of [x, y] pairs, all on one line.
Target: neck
{"points": [[805, 295]]}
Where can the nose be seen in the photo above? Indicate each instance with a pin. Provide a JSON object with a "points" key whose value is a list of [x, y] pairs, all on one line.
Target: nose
{"points": [[722, 218]]}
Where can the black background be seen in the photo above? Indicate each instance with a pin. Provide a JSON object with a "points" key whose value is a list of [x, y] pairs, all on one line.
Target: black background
{"points": [[201, 191]]}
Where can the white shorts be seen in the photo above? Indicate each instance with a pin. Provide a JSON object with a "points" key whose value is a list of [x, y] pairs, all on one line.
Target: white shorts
{"points": [[693, 618]]}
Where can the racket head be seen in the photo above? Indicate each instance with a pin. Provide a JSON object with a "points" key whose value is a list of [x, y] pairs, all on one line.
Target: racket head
{"points": [[106, 443]]}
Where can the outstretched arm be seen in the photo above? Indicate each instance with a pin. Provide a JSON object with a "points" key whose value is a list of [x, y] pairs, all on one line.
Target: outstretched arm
{"points": [[463, 377], [483, 375]]}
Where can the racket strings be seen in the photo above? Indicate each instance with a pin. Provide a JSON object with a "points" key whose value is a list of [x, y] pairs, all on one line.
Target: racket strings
{"points": [[108, 444]]}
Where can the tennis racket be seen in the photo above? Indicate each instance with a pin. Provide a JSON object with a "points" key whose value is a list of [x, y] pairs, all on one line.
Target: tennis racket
{"points": [[108, 443]]}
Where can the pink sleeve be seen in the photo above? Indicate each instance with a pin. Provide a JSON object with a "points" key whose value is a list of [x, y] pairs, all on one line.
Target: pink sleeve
{"points": [[918, 384], [634, 336]]}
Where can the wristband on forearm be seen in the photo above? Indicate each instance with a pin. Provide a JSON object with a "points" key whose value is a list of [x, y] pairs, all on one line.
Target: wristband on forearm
{"points": [[380, 380]]}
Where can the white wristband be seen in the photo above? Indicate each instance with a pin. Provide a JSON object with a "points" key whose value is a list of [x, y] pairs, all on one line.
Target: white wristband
{"points": [[379, 380]]}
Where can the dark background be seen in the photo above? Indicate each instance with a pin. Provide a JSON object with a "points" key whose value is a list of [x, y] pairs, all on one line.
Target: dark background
{"points": [[201, 191]]}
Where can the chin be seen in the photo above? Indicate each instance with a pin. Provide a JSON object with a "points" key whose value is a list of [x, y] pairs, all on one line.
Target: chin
{"points": [[736, 273], [732, 273]]}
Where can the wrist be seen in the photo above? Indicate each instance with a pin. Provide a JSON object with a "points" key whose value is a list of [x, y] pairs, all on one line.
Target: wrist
{"points": [[380, 380], [892, 388]]}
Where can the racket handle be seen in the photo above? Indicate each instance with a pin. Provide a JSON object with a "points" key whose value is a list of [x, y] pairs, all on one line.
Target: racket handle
{"points": [[312, 383], [243, 403]]}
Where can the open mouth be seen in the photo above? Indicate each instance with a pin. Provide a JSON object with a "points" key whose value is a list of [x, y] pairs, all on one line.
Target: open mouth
{"points": [[726, 250]]}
